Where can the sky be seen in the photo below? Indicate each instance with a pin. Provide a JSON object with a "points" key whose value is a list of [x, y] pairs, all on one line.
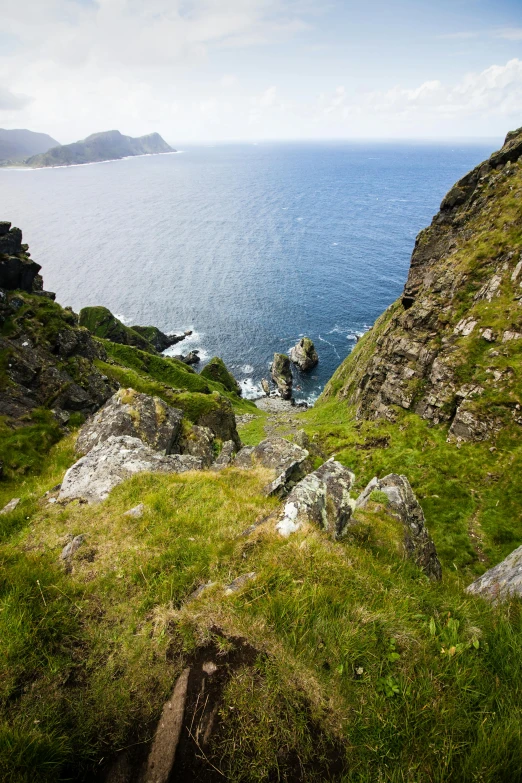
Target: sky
{"points": [[219, 70]]}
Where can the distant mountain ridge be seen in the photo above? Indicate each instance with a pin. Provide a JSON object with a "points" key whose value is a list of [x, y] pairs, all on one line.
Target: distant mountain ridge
{"points": [[17, 144], [108, 145]]}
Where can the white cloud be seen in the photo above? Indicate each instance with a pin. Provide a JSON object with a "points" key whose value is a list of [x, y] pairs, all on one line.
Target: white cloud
{"points": [[497, 89]]}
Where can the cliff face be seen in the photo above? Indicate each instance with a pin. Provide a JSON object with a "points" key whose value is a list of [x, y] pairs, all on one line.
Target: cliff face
{"points": [[108, 145], [451, 349]]}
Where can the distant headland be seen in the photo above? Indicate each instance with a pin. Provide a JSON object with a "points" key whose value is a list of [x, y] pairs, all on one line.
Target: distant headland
{"points": [[108, 145], [99, 147]]}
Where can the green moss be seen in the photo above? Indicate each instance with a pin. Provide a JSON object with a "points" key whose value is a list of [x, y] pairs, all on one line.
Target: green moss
{"points": [[162, 376], [215, 370], [102, 323], [379, 497], [162, 369]]}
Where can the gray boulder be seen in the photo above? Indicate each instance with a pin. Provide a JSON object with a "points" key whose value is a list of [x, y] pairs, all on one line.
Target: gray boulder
{"points": [[501, 582], [323, 497], [70, 548], [304, 354], [226, 455], [10, 506], [114, 460], [404, 505], [282, 375], [136, 415], [199, 442], [289, 462]]}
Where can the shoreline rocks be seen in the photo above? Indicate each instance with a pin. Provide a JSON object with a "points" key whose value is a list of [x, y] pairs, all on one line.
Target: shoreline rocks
{"points": [[282, 375], [304, 355]]}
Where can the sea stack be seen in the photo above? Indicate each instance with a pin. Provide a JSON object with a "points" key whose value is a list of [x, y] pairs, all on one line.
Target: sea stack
{"points": [[304, 354], [282, 375]]}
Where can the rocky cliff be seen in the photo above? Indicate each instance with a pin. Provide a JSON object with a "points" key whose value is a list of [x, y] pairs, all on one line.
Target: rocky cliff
{"points": [[46, 357], [450, 349], [108, 145]]}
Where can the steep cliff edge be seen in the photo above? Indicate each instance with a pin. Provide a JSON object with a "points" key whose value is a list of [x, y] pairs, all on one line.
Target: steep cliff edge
{"points": [[450, 350]]}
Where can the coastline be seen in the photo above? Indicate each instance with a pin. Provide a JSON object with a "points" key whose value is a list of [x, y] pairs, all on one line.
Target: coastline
{"points": [[89, 163]]}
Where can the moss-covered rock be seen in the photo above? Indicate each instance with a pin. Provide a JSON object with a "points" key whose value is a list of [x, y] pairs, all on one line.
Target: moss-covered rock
{"points": [[209, 410], [46, 360], [102, 323], [216, 370], [137, 415], [158, 339]]}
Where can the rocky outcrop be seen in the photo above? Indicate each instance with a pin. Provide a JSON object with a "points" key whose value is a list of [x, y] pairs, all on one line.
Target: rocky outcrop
{"points": [[47, 359], [102, 323], [502, 582], [136, 415], [191, 358], [158, 339], [322, 497], [440, 350], [403, 504], [226, 456], [17, 270], [216, 413], [304, 354], [282, 375], [288, 461], [114, 460], [216, 370], [199, 442]]}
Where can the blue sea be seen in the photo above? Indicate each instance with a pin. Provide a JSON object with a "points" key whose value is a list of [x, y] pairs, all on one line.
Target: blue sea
{"points": [[250, 246]]}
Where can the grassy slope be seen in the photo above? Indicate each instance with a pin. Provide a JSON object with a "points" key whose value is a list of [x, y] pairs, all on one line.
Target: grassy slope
{"points": [[172, 380], [88, 656]]}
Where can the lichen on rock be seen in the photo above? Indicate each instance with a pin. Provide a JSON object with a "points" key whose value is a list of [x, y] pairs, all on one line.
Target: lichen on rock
{"points": [[402, 503], [322, 497], [137, 415]]}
